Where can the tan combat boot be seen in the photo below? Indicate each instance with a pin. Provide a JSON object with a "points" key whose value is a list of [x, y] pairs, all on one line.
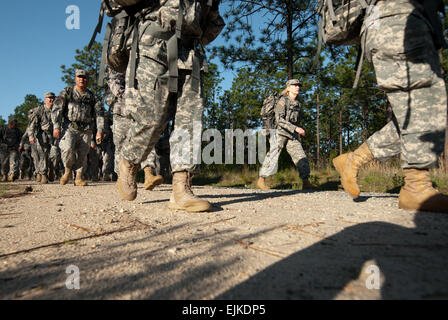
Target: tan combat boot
{"points": [[44, 179], [79, 182], [151, 181], [261, 183], [306, 185], [38, 177], [418, 193], [126, 183], [66, 177], [4, 178], [348, 164], [11, 177], [183, 198]]}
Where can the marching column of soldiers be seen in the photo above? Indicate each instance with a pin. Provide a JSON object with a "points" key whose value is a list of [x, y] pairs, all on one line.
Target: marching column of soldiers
{"points": [[58, 140], [159, 99]]}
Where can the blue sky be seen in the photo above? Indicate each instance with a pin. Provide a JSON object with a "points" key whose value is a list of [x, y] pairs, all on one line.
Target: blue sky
{"points": [[36, 42]]}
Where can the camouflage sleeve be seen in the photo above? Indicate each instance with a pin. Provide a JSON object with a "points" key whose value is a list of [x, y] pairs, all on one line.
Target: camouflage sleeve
{"points": [[58, 109], [99, 115], [33, 125], [213, 27], [24, 138], [280, 116]]}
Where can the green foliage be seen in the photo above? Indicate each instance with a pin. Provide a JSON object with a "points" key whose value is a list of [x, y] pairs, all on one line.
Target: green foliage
{"points": [[2, 122], [21, 111], [269, 35]]}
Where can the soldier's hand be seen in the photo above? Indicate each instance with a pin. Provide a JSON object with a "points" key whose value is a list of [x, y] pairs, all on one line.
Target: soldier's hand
{"points": [[20, 148], [99, 137], [57, 133], [32, 140], [300, 131]]}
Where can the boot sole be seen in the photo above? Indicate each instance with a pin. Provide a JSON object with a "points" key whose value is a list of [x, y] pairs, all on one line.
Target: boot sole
{"points": [[154, 184], [198, 208]]}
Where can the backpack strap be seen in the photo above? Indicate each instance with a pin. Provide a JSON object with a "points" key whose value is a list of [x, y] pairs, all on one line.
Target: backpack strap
{"points": [[360, 59], [172, 41], [104, 55], [99, 25]]}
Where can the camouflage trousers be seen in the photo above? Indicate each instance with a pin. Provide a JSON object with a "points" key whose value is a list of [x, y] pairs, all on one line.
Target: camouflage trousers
{"points": [[151, 161], [75, 146], [277, 142], [107, 155], [407, 67], [151, 106], [43, 149], [10, 162], [120, 130], [55, 158], [92, 171], [26, 162]]}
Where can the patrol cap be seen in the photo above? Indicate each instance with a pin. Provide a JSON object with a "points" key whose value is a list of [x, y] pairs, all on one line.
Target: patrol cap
{"points": [[81, 73], [293, 82], [49, 95]]}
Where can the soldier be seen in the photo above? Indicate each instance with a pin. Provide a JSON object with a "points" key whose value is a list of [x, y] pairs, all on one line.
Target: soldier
{"points": [[40, 133], [168, 78], [75, 111], [401, 40], [26, 159], [10, 137], [288, 134], [120, 127]]}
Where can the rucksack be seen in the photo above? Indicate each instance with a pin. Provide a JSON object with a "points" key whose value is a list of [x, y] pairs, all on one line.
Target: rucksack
{"points": [[340, 23], [184, 20], [268, 111], [115, 52]]}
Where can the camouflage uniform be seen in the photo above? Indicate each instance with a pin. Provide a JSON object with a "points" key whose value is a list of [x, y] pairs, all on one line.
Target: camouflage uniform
{"points": [[151, 104], [399, 43], [40, 128], [75, 114], [10, 140], [121, 121], [287, 118]]}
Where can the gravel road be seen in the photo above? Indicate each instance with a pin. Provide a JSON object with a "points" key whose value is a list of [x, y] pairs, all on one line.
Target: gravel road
{"points": [[255, 244]]}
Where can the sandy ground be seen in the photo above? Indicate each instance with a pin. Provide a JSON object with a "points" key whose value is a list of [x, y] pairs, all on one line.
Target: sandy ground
{"points": [[255, 244]]}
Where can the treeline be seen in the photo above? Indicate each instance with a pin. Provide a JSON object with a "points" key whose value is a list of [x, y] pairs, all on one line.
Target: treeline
{"points": [[266, 43]]}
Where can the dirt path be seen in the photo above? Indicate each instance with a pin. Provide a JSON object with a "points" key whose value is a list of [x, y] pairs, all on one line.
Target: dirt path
{"points": [[254, 245]]}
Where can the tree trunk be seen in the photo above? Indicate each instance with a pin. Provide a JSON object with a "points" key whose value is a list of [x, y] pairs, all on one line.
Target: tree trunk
{"points": [[289, 40], [317, 131], [341, 149], [446, 148]]}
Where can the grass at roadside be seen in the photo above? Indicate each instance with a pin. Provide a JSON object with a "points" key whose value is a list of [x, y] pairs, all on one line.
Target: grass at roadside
{"points": [[375, 177]]}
